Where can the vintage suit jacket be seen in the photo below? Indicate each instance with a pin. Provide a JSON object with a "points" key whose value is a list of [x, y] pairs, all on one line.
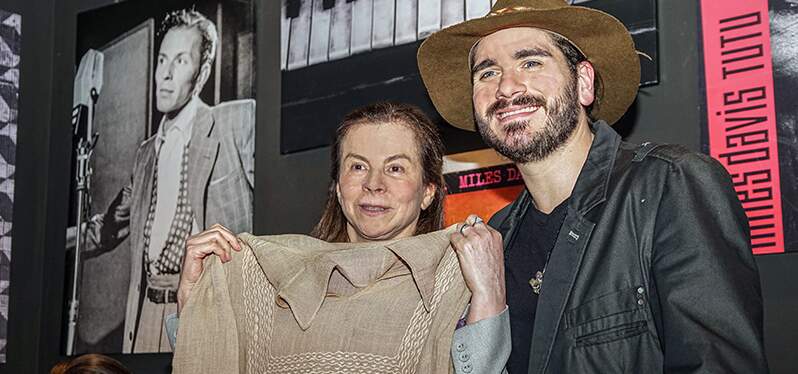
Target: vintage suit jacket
{"points": [[220, 183], [652, 270]]}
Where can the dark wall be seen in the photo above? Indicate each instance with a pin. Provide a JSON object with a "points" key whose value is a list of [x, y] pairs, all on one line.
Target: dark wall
{"points": [[290, 189]]}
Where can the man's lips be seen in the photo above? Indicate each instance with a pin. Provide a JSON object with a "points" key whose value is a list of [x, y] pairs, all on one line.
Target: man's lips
{"points": [[164, 91], [515, 112]]}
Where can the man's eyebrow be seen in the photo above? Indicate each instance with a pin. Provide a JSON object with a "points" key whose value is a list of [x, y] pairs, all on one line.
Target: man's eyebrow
{"points": [[520, 54], [531, 52], [486, 63], [178, 54]]}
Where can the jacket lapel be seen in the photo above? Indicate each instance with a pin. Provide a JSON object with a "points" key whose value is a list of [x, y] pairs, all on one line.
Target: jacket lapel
{"points": [[561, 272], [589, 191], [142, 188], [202, 152]]}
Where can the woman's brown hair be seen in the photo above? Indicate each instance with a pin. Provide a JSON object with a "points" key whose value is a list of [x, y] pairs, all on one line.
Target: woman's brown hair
{"points": [[90, 363], [332, 225]]}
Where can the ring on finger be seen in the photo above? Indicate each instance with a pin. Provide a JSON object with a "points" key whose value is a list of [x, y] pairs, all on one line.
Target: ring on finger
{"points": [[477, 220], [463, 227]]}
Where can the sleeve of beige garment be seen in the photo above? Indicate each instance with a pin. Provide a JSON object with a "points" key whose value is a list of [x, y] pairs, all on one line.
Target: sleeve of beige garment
{"points": [[482, 347], [207, 335]]}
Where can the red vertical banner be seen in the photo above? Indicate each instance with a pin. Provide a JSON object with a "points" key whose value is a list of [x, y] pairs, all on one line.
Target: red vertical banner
{"points": [[741, 115]]}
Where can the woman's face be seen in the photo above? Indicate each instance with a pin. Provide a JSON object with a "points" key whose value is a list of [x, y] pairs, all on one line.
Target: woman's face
{"points": [[380, 184]]}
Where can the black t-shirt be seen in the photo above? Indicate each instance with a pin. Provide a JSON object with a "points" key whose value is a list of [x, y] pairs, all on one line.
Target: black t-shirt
{"points": [[527, 255]]}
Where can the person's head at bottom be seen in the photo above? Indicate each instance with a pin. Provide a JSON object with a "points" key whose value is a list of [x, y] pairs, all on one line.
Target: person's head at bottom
{"points": [[90, 363], [386, 176]]}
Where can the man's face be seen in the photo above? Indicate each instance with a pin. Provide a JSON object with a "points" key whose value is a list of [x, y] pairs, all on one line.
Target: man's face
{"points": [[526, 102], [178, 67]]}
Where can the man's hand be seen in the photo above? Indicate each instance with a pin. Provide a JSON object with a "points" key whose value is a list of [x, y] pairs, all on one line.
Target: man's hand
{"points": [[217, 240], [480, 252]]}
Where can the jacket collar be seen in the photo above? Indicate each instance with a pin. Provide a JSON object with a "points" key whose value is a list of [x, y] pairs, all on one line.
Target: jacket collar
{"points": [[304, 270], [592, 184], [182, 124], [202, 151]]}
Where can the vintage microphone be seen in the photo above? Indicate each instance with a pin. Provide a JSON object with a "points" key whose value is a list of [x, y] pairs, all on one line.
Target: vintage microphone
{"points": [[88, 83]]}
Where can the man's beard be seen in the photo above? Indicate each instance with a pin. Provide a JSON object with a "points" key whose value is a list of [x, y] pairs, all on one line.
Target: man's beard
{"points": [[561, 120]]}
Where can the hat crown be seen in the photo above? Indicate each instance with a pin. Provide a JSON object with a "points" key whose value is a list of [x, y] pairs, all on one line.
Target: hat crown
{"points": [[504, 6]]}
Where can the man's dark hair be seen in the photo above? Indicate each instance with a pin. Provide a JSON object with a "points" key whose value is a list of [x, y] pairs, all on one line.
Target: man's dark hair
{"points": [[573, 56], [188, 18]]}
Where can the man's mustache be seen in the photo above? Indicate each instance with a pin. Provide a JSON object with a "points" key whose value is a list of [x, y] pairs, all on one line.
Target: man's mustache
{"points": [[524, 100]]}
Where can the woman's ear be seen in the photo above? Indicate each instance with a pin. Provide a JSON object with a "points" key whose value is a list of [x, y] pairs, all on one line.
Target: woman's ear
{"points": [[429, 196]]}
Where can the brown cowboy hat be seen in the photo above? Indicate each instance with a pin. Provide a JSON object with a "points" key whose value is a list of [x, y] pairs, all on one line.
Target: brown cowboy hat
{"points": [[444, 64]]}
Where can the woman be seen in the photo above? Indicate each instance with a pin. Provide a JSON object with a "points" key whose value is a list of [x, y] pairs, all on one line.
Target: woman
{"points": [[386, 183]]}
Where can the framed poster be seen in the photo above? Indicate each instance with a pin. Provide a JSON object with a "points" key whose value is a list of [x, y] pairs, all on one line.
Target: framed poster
{"points": [[478, 182], [751, 80], [164, 122]]}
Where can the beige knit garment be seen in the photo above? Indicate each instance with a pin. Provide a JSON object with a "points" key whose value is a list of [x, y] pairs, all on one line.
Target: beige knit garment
{"points": [[295, 304]]}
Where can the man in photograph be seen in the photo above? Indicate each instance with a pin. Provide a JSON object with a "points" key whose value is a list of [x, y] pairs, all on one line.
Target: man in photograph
{"points": [[618, 257], [197, 170]]}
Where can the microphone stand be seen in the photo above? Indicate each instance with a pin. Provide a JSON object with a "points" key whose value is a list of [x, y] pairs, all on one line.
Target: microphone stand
{"points": [[85, 148]]}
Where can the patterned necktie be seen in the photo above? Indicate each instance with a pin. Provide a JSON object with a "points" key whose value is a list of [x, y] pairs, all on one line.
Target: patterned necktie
{"points": [[170, 258]]}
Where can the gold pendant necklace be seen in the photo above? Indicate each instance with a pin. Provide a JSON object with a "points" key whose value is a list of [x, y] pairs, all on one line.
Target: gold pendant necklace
{"points": [[537, 281]]}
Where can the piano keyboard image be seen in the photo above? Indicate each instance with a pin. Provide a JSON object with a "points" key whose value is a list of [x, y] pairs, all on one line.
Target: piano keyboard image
{"points": [[316, 31], [337, 55]]}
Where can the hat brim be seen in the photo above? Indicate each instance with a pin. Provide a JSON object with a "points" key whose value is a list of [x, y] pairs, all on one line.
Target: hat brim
{"points": [[444, 62]]}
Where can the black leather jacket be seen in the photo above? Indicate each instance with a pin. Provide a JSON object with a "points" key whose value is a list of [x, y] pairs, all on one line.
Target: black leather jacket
{"points": [[652, 270]]}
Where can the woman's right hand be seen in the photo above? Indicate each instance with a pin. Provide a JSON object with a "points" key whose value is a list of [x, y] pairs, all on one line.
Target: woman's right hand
{"points": [[480, 252], [217, 240]]}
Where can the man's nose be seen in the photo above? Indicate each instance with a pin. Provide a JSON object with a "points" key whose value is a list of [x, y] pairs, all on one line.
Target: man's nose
{"points": [[509, 86], [166, 71]]}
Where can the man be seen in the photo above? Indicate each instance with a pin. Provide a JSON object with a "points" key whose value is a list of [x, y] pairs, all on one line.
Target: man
{"points": [[618, 257], [196, 171]]}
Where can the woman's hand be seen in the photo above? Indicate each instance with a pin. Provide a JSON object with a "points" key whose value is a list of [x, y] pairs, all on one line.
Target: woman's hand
{"points": [[217, 240], [480, 252]]}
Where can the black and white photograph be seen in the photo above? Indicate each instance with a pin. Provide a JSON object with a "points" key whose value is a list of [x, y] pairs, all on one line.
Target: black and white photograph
{"points": [[163, 147], [784, 47], [10, 51], [342, 54]]}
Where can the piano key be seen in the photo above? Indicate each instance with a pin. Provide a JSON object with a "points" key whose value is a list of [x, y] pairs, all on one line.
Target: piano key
{"points": [[383, 24], [429, 17], [361, 26], [319, 33], [328, 4], [292, 8], [299, 39], [285, 30], [340, 29], [452, 12], [476, 8], [406, 21]]}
